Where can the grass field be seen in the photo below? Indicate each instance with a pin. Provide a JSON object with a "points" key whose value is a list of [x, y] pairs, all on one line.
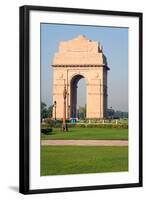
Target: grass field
{"points": [[56, 160], [88, 133]]}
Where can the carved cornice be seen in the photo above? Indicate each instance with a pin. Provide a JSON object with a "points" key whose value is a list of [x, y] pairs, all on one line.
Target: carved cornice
{"points": [[81, 66]]}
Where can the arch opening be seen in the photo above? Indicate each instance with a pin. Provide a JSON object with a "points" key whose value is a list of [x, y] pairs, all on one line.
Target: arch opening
{"points": [[75, 102]]}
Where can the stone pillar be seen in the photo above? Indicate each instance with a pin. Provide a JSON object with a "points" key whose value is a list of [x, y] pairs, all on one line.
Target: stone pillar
{"points": [[94, 101]]}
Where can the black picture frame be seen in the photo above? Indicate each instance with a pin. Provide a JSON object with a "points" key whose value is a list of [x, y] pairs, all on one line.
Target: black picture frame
{"points": [[24, 148]]}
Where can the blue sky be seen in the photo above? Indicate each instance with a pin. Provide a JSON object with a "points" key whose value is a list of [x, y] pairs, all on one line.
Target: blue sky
{"points": [[115, 47]]}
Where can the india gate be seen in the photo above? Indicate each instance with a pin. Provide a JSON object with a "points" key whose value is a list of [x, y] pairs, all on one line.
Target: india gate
{"points": [[76, 59]]}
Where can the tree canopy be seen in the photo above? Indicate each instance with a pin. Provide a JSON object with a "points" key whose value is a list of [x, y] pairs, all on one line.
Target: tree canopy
{"points": [[46, 112]]}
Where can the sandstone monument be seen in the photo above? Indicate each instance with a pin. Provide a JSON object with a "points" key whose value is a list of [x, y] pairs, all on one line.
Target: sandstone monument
{"points": [[80, 58]]}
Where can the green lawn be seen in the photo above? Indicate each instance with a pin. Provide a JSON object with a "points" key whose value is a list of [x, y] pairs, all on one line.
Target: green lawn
{"points": [[88, 133], [59, 160]]}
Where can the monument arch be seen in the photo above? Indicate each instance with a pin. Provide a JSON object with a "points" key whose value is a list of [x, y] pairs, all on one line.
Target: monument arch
{"points": [[80, 58], [73, 94]]}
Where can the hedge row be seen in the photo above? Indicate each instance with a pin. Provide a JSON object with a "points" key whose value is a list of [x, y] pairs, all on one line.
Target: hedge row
{"points": [[125, 126]]}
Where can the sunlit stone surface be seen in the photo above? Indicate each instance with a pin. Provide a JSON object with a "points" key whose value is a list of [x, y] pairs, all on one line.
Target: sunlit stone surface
{"points": [[80, 58]]}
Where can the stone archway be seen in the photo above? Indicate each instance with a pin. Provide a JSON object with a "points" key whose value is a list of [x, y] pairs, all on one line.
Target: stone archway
{"points": [[73, 95], [78, 58]]}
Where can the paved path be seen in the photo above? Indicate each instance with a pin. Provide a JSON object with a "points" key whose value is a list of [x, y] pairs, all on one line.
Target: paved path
{"points": [[85, 142]]}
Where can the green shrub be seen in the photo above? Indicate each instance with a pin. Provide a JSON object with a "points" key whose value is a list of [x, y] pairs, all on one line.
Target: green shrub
{"points": [[125, 126], [99, 125], [53, 123], [71, 125], [80, 125], [50, 122], [44, 126], [46, 131], [58, 124]]}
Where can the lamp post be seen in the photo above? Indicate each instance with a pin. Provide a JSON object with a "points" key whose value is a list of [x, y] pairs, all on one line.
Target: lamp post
{"points": [[55, 109], [69, 112], [64, 125]]}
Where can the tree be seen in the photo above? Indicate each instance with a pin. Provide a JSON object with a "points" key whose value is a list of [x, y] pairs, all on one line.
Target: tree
{"points": [[43, 105], [50, 111], [82, 112], [110, 112], [44, 113], [116, 114]]}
